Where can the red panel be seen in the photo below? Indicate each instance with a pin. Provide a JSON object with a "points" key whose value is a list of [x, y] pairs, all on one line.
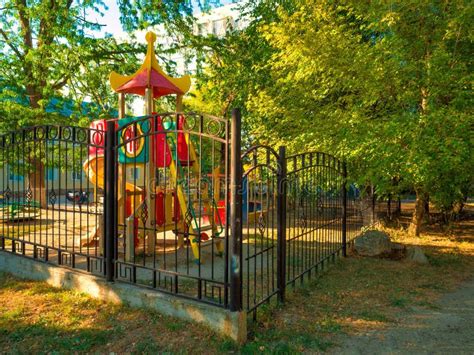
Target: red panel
{"points": [[182, 146], [97, 136], [160, 208], [162, 153], [219, 214], [135, 232], [177, 209]]}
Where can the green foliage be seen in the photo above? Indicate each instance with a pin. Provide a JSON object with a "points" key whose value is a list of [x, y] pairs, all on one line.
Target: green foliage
{"points": [[50, 56], [385, 85]]}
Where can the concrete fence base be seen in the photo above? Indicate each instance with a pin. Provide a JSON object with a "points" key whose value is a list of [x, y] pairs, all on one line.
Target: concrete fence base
{"points": [[231, 324]]}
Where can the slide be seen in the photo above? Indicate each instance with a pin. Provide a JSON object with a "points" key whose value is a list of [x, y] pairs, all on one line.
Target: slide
{"points": [[94, 168]]}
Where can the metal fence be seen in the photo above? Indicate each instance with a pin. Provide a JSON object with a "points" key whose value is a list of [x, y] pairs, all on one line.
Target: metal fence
{"points": [[170, 202], [48, 207]]}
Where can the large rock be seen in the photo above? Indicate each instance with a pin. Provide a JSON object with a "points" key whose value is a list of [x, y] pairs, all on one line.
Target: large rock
{"points": [[373, 243], [416, 255]]}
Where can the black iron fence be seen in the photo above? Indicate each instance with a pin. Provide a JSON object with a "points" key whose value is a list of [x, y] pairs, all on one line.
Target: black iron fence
{"points": [[48, 208], [170, 202]]}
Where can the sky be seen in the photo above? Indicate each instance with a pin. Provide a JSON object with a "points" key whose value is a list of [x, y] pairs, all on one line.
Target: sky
{"points": [[111, 18], [111, 22]]}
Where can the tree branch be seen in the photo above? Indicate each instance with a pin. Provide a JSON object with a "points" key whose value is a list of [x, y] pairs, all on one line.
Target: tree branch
{"points": [[7, 40], [59, 84], [89, 22], [25, 23]]}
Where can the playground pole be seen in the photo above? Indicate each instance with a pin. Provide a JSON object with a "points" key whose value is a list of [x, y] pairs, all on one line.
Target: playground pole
{"points": [[236, 215], [110, 201], [151, 172], [121, 169], [179, 103]]}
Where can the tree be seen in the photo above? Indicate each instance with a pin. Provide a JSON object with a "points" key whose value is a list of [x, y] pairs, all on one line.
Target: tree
{"points": [[51, 55], [384, 85], [47, 53]]}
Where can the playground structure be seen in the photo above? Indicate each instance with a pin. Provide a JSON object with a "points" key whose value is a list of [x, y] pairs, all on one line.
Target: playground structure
{"points": [[171, 202], [176, 209]]}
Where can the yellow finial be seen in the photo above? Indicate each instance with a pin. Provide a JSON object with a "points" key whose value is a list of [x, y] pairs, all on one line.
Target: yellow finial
{"points": [[150, 38], [150, 59]]}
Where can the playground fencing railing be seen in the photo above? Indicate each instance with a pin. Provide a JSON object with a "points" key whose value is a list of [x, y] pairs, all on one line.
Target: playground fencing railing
{"points": [[172, 202]]}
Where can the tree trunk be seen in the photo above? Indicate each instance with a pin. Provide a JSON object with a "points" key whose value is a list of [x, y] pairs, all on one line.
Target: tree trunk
{"points": [[366, 206], [36, 180], [419, 213], [426, 206]]}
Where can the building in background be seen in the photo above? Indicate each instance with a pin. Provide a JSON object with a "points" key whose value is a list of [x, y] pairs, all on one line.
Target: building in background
{"points": [[216, 22]]}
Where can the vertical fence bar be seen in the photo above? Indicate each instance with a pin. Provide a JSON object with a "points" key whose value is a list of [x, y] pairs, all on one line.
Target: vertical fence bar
{"points": [[344, 209], [281, 224], [109, 201], [374, 200], [389, 207], [236, 215]]}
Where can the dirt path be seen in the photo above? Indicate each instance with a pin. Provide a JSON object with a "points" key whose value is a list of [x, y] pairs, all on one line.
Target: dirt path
{"points": [[447, 329]]}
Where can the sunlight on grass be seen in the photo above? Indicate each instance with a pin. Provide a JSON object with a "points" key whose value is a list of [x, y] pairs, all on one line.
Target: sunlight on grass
{"points": [[352, 296]]}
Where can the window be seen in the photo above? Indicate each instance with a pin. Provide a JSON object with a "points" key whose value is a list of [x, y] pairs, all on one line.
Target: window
{"points": [[219, 27], [201, 29], [52, 174], [77, 175]]}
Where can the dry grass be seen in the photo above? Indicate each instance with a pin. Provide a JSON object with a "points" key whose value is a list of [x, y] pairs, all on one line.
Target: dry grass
{"points": [[354, 295], [361, 294], [37, 318]]}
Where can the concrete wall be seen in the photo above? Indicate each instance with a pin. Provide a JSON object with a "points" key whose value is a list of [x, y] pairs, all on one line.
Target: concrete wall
{"points": [[231, 324]]}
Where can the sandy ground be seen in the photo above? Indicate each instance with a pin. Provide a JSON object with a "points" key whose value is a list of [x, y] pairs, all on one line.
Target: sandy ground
{"points": [[448, 328]]}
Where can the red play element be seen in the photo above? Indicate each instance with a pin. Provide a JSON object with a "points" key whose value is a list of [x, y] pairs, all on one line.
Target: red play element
{"points": [[204, 237], [177, 208], [136, 240], [183, 153], [219, 217], [161, 86], [162, 153], [97, 137], [129, 135], [160, 208]]}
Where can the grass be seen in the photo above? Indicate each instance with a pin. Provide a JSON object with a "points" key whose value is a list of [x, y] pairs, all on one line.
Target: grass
{"points": [[352, 296]]}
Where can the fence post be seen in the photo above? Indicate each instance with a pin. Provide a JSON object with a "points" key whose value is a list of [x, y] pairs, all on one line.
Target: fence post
{"points": [[281, 224], [236, 215], [389, 207], [110, 180], [374, 200], [344, 209]]}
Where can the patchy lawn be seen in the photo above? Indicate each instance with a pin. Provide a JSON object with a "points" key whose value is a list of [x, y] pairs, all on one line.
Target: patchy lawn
{"points": [[353, 296]]}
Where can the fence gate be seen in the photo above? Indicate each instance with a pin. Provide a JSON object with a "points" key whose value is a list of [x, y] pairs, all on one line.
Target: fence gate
{"points": [[316, 205], [262, 194], [293, 219], [171, 216]]}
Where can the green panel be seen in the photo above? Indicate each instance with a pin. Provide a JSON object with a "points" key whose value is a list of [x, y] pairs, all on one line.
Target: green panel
{"points": [[127, 153]]}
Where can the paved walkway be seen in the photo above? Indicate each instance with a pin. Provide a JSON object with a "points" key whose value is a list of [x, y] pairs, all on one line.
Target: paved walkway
{"points": [[448, 329]]}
